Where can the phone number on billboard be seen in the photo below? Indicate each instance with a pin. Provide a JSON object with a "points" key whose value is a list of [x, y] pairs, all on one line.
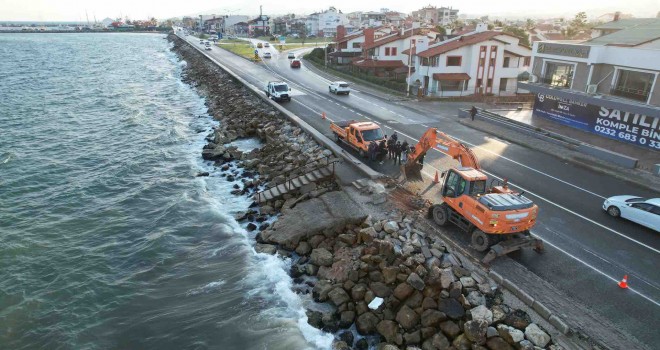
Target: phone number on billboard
{"points": [[626, 136]]}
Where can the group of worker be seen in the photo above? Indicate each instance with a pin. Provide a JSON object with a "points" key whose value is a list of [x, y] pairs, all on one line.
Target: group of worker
{"points": [[390, 148]]}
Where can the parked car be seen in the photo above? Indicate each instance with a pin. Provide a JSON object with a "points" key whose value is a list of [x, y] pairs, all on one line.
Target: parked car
{"points": [[645, 212], [266, 45], [295, 64], [339, 87], [267, 55], [260, 45], [291, 56]]}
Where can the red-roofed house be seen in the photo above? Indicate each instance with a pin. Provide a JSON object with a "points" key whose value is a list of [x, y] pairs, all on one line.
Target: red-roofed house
{"points": [[484, 62], [349, 46]]}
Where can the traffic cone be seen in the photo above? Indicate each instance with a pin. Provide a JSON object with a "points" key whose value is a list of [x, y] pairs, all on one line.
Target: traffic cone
{"points": [[624, 282], [323, 115], [436, 180]]}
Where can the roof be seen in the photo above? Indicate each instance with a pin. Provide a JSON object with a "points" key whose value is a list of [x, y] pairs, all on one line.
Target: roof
{"points": [[451, 76], [628, 23], [345, 53], [369, 63], [350, 37], [394, 37], [512, 53], [635, 35], [460, 42]]}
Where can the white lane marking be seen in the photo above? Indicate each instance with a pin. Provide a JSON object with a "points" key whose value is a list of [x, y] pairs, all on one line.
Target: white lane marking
{"points": [[597, 270], [530, 168], [426, 126], [555, 204], [351, 110]]}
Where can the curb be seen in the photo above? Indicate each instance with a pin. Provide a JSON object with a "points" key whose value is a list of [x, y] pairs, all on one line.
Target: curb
{"points": [[537, 306], [318, 136]]}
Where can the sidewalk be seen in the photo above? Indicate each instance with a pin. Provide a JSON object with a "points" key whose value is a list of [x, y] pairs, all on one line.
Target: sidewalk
{"points": [[647, 157]]}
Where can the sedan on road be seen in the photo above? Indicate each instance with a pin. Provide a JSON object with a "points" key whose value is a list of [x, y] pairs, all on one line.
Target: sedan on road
{"points": [[267, 55], [645, 212], [295, 64], [291, 56]]}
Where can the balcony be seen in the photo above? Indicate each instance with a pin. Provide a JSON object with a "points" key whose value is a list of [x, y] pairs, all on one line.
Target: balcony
{"points": [[556, 82]]}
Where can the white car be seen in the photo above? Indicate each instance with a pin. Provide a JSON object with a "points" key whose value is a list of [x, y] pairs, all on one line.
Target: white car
{"points": [[645, 212], [339, 87], [266, 45], [267, 55], [291, 56]]}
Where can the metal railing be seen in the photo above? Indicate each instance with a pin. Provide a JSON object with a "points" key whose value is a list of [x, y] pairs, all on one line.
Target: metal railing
{"points": [[563, 83], [633, 94], [289, 175]]}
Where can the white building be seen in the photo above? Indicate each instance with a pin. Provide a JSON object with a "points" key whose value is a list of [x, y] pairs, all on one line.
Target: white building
{"points": [[481, 62], [329, 20]]}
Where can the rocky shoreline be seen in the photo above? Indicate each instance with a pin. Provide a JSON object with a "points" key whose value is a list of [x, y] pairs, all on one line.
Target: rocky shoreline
{"points": [[389, 284]]}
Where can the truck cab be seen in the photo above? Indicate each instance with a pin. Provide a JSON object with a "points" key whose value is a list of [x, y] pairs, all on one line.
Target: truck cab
{"points": [[356, 134], [278, 91]]}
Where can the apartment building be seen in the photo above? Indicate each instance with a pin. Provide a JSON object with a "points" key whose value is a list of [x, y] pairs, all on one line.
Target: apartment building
{"points": [[607, 85], [481, 62]]}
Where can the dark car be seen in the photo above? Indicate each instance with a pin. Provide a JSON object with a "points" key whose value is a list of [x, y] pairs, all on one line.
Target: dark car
{"points": [[295, 63]]}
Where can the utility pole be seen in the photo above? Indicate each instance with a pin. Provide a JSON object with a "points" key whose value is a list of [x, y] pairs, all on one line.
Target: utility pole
{"points": [[410, 55]]}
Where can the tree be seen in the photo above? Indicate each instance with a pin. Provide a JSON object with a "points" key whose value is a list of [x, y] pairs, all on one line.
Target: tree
{"points": [[518, 32], [529, 24], [580, 21], [441, 30]]}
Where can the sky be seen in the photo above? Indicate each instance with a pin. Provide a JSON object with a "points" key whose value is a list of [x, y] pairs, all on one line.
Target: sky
{"points": [[74, 10]]}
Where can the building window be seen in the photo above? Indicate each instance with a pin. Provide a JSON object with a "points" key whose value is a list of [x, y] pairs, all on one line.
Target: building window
{"points": [[558, 74], [493, 48], [492, 62], [356, 45], [465, 86], [633, 85], [423, 61], [482, 61], [393, 51], [527, 61], [506, 62], [454, 61], [483, 49], [490, 83], [435, 61], [387, 51], [451, 85]]}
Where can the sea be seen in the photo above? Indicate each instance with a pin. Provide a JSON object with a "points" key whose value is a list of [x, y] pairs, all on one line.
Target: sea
{"points": [[108, 239]]}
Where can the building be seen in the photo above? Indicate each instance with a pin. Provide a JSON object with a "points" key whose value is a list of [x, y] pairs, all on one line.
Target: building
{"points": [[446, 15], [215, 25], [607, 85], [259, 26], [232, 20], [482, 62], [435, 16], [328, 21], [349, 46]]}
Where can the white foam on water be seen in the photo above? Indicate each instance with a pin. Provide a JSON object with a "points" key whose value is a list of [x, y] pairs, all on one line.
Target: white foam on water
{"points": [[210, 287]]}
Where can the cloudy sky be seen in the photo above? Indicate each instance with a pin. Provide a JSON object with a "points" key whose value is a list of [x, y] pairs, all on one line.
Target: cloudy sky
{"points": [[74, 10]]}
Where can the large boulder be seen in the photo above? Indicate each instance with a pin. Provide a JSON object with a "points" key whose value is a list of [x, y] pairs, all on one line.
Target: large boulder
{"points": [[366, 323], [338, 296], [321, 257], [380, 289], [536, 335], [389, 274], [446, 278], [391, 227], [482, 313], [390, 331], [452, 308], [357, 292], [407, 317], [497, 343], [518, 319], [450, 329], [403, 291], [303, 248], [462, 343], [329, 211], [346, 319], [476, 331], [432, 318], [476, 298], [510, 334], [415, 281]]}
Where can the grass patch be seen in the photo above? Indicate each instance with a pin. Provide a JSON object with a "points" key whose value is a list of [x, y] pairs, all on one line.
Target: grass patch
{"points": [[240, 48], [308, 41]]}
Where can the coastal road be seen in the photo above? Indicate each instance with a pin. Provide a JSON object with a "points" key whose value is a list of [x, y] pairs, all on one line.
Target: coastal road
{"points": [[587, 251]]}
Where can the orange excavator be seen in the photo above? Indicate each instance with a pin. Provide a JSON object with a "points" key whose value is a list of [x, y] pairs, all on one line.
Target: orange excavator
{"points": [[497, 217]]}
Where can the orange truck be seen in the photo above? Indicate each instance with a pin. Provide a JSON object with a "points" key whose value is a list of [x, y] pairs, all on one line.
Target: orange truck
{"points": [[357, 134], [497, 218]]}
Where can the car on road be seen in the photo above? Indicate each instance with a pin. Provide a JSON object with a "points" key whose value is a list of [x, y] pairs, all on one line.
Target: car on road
{"points": [[278, 91], [267, 55], [266, 45], [291, 56], [339, 87], [645, 212], [295, 64], [260, 45], [207, 48]]}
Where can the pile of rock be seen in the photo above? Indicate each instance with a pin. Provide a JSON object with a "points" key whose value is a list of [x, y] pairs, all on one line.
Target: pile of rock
{"points": [[288, 151], [429, 300]]}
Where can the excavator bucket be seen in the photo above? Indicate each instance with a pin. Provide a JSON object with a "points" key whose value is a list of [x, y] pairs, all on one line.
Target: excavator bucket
{"points": [[413, 171]]}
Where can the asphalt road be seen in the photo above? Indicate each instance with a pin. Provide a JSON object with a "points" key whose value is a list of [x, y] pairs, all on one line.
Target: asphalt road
{"points": [[587, 251]]}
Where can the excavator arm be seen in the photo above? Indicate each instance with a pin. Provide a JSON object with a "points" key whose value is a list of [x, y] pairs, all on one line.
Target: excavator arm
{"points": [[433, 138]]}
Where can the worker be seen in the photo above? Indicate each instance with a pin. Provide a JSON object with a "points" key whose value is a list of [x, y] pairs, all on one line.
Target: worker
{"points": [[391, 145], [395, 137], [405, 150], [397, 152], [372, 151], [473, 112], [420, 160], [382, 150]]}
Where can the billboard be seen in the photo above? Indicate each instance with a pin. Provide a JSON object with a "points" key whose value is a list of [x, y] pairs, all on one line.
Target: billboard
{"points": [[620, 125]]}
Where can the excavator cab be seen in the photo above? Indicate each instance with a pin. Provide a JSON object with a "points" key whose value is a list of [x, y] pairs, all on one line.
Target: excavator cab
{"points": [[466, 181]]}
